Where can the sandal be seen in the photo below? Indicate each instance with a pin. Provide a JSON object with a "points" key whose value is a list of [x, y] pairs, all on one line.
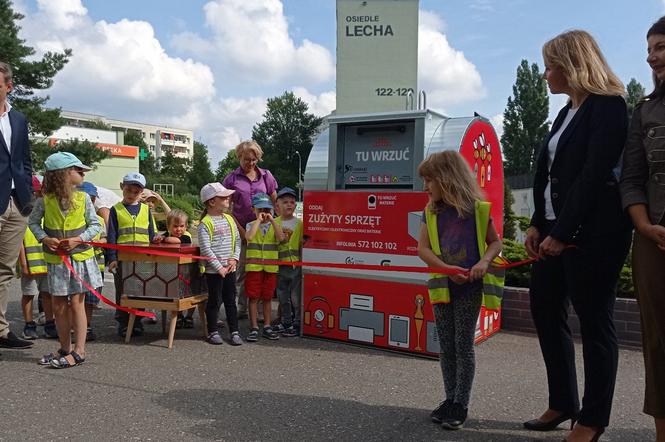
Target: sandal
{"points": [[64, 363], [46, 359]]}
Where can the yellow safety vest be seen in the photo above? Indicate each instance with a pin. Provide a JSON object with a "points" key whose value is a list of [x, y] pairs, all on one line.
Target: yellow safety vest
{"points": [[262, 248], [99, 251], [493, 280], [34, 253], [207, 222], [133, 230], [291, 250], [73, 224]]}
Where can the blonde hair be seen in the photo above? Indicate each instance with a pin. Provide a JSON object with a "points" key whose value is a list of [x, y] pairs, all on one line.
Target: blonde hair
{"points": [[453, 176], [250, 145], [57, 185], [176, 215], [579, 57]]}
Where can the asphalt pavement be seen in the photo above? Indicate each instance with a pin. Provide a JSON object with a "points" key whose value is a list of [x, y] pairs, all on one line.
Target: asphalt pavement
{"points": [[290, 389]]}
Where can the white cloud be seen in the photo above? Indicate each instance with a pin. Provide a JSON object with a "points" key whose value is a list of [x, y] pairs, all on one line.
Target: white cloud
{"points": [[319, 105], [250, 40], [497, 122], [115, 67], [443, 72]]}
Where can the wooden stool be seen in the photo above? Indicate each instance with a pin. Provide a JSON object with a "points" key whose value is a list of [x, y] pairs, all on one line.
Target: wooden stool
{"points": [[172, 305]]}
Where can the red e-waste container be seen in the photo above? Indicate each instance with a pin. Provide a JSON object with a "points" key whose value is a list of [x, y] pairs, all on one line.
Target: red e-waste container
{"points": [[363, 204]]}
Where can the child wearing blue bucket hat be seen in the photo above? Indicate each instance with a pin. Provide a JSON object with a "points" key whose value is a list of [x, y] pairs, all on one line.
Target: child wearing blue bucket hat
{"points": [[69, 220]]}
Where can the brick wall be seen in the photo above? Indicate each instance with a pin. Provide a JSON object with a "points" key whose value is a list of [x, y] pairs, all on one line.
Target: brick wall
{"points": [[516, 316]]}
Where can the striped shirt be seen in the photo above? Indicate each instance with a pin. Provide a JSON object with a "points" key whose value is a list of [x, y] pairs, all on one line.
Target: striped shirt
{"points": [[220, 246]]}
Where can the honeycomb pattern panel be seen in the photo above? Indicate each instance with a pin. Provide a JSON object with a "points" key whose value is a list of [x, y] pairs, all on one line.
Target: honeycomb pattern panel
{"points": [[133, 286], [144, 270], [167, 272], [155, 287]]}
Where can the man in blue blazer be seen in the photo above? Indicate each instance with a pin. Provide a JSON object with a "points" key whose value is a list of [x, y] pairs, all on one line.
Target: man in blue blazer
{"points": [[15, 197]]}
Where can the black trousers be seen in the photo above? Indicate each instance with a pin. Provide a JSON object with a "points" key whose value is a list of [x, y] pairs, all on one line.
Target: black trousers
{"points": [[221, 290], [586, 277]]}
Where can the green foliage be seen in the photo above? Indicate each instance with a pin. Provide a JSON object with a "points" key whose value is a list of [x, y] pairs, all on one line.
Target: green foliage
{"points": [[517, 276], [287, 127], [525, 123], [227, 165], [134, 138], [86, 151], [188, 203], [200, 173], [30, 73], [523, 222], [96, 124], [509, 231], [635, 92]]}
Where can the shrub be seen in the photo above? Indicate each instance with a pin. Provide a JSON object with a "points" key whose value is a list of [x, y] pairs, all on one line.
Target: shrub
{"points": [[519, 276], [188, 203]]}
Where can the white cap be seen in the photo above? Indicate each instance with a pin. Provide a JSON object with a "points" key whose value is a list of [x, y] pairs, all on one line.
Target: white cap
{"points": [[211, 190]]}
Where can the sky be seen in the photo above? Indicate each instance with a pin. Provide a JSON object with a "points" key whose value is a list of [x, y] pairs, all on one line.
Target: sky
{"points": [[209, 66]]}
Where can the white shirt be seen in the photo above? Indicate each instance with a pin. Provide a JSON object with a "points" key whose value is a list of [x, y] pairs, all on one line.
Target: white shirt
{"points": [[6, 129], [551, 151]]}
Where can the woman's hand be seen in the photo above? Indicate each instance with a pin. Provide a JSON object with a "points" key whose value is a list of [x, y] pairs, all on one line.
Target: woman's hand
{"points": [[655, 233], [531, 241], [51, 243], [550, 247], [479, 270], [459, 278]]}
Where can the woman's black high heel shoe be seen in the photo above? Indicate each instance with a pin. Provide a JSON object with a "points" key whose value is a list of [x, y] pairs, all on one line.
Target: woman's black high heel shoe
{"points": [[538, 425]]}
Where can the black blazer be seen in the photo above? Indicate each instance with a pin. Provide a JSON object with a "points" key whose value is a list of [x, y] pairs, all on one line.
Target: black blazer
{"points": [[17, 165], [584, 189]]}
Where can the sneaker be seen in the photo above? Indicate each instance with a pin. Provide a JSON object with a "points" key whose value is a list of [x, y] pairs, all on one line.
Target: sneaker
{"points": [[441, 412], [456, 419], [13, 341], [279, 328], [269, 333], [290, 332], [30, 330], [41, 319], [253, 335], [90, 335], [235, 339], [50, 331], [214, 338]]}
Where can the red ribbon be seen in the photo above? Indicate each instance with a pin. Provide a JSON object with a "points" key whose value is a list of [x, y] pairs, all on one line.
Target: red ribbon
{"points": [[65, 260]]}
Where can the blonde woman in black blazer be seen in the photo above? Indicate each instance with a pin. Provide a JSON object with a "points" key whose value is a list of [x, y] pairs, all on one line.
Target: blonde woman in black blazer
{"points": [[577, 204], [643, 194]]}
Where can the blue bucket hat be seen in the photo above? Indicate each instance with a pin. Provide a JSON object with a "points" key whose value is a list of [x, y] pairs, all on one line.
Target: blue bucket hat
{"points": [[134, 178], [261, 201], [89, 188], [63, 160], [287, 191]]}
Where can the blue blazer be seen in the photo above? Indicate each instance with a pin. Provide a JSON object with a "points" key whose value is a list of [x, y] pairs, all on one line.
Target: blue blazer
{"points": [[16, 165]]}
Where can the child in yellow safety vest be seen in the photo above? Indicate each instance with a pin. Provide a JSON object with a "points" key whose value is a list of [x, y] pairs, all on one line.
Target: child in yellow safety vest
{"points": [[92, 301], [69, 220], [219, 239], [263, 237], [130, 223], [457, 234], [33, 280], [289, 277]]}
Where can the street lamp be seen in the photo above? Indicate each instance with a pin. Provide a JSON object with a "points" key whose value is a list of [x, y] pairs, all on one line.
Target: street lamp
{"points": [[299, 175]]}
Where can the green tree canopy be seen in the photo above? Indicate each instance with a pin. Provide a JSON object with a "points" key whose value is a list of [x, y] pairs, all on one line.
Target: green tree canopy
{"points": [[86, 151], [30, 73], [525, 123], [635, 92], [509, 219], [200, 173], [287, 128], [227, 165]]}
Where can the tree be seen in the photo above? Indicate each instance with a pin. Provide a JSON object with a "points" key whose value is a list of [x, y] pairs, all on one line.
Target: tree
{"points": [[200, 173], [86, 151], [635, 92], [173, 170], [525, 123], [227, 165], [287, 127], [97, 124], [30, 73], [509, 219]]}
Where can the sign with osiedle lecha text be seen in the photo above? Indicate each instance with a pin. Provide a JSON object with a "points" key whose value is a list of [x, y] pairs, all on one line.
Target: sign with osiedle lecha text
{"points": [[377, 55]]}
